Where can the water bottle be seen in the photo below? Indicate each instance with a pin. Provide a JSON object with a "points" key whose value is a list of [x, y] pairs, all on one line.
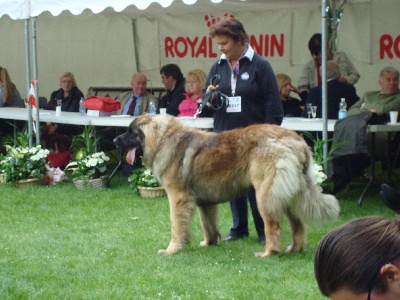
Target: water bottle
{"points": [[152, 107], [342, 109], [82, 109]]}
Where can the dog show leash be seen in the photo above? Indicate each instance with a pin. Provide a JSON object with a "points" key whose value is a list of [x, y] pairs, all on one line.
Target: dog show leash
{"points": [[213, 99]]}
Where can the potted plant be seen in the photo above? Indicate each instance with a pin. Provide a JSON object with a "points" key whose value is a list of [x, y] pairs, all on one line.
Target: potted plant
{"points": [[323, 181], [89, 171], [85, 143], [144, 182], [24, 166]]}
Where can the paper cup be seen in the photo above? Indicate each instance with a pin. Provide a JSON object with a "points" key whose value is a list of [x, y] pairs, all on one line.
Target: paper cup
{"points": [[393, 117], [163, 111], [58, 111]]}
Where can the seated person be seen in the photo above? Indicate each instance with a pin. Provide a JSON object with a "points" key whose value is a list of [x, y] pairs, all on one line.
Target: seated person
{"points": [[9, 97], [360, 260], [195, 81], [311, 76], [136, 102], [336, 91], [292, 107], [172, 78], [372, 106], [58, 136], [384, 100], [380, 103]]}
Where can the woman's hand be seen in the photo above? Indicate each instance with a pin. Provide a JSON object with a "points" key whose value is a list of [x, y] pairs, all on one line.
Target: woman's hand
{"points": [[212, 88], [52, 129], [295, 89]]}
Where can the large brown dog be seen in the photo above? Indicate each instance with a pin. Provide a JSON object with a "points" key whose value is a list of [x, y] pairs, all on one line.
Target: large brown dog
{"points": [[199, 168]]}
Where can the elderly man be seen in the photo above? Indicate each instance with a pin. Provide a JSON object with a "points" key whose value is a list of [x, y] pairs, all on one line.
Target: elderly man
{"points": [[373, 107], [384, 100], [174, 82], [136, 102]]}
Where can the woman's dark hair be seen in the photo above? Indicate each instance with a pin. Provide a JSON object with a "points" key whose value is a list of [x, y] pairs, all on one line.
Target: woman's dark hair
{"points": [[314, 44], [352, 255], [172, 70], [231, 28]]}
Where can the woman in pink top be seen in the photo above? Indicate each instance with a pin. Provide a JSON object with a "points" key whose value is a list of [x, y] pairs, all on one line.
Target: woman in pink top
{"points": [[195, 81]]}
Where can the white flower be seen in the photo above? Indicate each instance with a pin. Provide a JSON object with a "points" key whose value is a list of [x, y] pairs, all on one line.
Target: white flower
{"points": [[147, 172], [318, 175], [91, 162]]}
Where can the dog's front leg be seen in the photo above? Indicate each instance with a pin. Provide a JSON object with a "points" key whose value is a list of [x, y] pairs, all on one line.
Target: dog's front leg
{"points": [[182, 206]]}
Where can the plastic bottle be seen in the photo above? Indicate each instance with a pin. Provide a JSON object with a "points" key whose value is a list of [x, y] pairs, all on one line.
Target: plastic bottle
{"points": [[342, 109], [82, 109], [152, 107]]}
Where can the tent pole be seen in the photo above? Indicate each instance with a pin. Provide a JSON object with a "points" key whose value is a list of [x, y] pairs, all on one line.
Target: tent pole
{"points": [[28, 79], [35, 76], [135, 42], [324, 82]]}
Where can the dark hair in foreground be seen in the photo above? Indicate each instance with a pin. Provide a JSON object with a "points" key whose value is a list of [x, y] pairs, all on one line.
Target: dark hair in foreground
{"points": [[231, 28], [352, 255]]}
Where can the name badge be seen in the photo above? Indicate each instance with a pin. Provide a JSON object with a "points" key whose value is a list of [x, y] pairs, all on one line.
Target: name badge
{"points": [[235, 104]]}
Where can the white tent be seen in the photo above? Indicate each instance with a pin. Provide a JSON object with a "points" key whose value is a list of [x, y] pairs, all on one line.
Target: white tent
{"points": [[103, 43]]}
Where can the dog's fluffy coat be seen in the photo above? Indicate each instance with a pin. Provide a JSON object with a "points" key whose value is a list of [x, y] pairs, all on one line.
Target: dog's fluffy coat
{"points": [[199, 168]]}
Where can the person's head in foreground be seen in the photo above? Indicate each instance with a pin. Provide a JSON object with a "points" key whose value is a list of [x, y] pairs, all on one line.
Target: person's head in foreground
{"points": [[360, 260]]}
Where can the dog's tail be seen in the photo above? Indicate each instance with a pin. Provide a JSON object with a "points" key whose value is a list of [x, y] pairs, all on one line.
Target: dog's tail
{"points": [[295, 190], [313, 204]]}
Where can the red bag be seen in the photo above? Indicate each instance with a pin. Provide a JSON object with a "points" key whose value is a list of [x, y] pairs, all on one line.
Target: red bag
{"points": [[59, 158], [101, 103]]}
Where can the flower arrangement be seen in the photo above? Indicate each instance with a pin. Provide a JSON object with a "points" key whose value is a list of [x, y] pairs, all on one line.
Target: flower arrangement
{"points": [[319, 176], [323, 182], [89, 167], [24, 163], [143, 178], [85, 143]]}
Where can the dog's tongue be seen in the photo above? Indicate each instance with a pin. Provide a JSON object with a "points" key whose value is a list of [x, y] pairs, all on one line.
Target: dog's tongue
{"points": [[130, 157]]}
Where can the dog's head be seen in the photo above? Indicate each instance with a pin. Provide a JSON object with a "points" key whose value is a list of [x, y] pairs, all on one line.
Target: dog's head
{"points": [[144, 129]]}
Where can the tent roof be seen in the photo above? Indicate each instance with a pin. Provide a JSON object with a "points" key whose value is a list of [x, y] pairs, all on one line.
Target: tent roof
{"points": [[23, 9]]}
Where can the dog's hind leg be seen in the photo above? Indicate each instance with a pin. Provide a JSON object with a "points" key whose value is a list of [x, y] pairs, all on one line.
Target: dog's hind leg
{"points": [[272, 235], [270, 214], [298, 233], [182, 206], [209, 223]]}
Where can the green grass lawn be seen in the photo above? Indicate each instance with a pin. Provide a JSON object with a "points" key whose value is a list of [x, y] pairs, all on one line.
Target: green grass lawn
{"points": [[57, 242]]}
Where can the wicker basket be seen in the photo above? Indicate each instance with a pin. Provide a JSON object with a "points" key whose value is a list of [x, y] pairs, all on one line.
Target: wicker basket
{"points": [[97, 183], [2, 178], [31, 182], [151, 192]]}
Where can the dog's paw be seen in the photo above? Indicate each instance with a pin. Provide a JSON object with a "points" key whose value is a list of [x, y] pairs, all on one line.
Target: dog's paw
{"points": [[265, 254], [203, 244], [172, 249], [294, 248]]}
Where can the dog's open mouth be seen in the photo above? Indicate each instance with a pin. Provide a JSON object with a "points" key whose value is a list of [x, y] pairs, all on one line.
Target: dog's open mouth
{"points": [[130, 157]]}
